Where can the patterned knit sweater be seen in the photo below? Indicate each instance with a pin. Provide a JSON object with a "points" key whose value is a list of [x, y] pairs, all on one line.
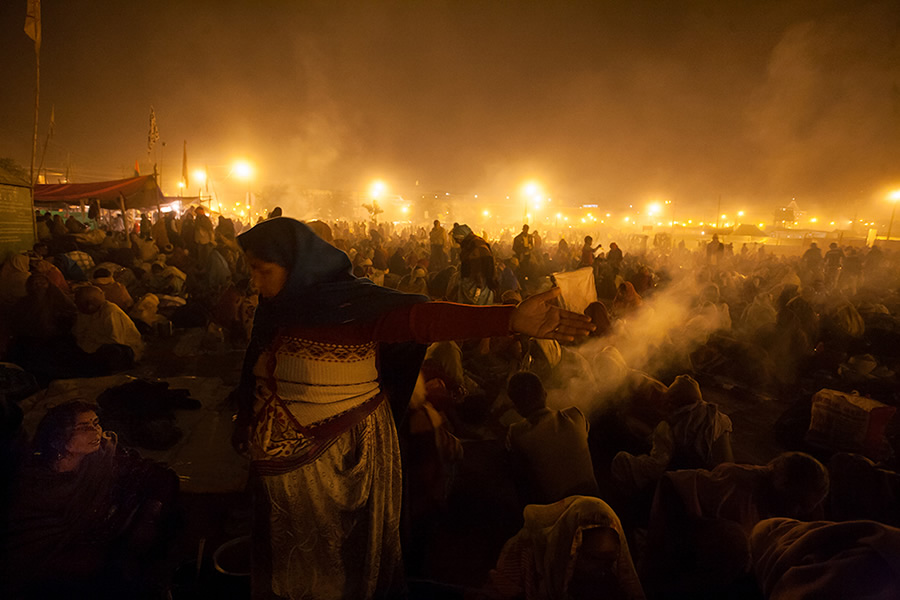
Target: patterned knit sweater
{"points": [[323, 372]]}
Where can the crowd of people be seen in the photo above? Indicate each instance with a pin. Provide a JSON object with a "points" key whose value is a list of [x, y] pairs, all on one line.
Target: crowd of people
{"points": [[404, 387]]}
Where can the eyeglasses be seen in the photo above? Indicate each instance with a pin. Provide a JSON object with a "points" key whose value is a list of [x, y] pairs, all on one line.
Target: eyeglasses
{"points": [[88, 427]]}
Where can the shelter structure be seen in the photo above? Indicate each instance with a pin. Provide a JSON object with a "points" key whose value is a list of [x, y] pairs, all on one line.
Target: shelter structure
{"points": [[138, 193], [16, 213]]}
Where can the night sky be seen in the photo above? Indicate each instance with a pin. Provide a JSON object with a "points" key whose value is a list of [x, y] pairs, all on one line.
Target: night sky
{"points": [[610, 102]]}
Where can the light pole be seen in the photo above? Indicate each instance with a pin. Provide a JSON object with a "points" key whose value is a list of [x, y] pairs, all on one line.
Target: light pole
{"points": [[200, 177], [531, 191]]}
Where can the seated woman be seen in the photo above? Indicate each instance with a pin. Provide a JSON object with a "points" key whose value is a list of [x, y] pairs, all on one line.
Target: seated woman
{"points": [[14, 272], [627, 300], [574, 548], [83, 512], [41, 324]]}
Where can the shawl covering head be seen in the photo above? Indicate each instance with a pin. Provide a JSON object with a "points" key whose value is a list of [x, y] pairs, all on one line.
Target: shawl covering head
{"points": [[554, 534], [320, 290]]}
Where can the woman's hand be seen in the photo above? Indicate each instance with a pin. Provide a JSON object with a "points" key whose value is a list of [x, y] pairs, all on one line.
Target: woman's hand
{"points": [[538, 317]]}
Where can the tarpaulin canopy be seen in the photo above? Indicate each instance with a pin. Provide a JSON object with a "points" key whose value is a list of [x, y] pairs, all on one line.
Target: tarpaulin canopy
{"points": [[138, 192]]}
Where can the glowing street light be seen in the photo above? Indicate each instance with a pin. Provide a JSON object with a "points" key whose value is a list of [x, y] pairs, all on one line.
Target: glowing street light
{"points": [[243, 170], [894, 197], [531, 191], [377, 189]]}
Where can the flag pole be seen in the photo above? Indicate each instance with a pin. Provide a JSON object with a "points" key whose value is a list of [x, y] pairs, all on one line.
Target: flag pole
{"points": [[46, 142], [37, 103], [36, 24]]}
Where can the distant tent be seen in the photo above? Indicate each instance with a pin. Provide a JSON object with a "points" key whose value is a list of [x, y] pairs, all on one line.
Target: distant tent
{"points": [[719, 231], [749, 230], [138, 192]]}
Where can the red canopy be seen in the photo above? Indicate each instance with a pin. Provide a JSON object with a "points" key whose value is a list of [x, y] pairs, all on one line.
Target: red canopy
{"points": [[138, 192]]}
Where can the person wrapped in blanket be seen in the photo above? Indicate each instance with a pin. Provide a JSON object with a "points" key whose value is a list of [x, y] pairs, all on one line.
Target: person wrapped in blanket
{"points": [[326, 351], [86, 517], [700, 522], [853, 560], [574, 548]]}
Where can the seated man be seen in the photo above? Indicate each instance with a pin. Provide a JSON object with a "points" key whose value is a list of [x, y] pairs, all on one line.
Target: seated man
{"points": [[105, 332], [697, 435], [112, 290], [550, 447]]}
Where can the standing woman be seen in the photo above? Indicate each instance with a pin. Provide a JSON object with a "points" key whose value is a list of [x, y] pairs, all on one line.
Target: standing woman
{"points": [[314, 416]]}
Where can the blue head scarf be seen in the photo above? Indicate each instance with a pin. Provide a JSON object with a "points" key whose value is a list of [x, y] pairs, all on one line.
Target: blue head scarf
{"points": [[320, 289]]}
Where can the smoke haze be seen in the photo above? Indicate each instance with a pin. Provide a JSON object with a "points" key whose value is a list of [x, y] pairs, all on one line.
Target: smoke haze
{"points": [[603, 101]]}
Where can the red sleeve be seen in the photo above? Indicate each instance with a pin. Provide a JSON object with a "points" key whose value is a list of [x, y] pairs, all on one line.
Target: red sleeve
{"points": [[429, 322]]}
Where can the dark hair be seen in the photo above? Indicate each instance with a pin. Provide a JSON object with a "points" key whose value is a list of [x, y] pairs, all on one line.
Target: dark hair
{"points": [[526, 392], [798, 477], [101, 272], [32, 281], [55, 429]]}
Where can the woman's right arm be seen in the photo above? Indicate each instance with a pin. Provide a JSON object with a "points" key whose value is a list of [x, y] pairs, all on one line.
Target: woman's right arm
{"points": [[427, 322]]}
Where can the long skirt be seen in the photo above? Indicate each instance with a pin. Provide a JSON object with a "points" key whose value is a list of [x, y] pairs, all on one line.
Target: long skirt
{"points": [[331, 528]]}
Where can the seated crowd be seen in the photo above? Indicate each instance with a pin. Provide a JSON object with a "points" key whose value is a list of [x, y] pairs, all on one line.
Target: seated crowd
{"points": [[543, 470]]}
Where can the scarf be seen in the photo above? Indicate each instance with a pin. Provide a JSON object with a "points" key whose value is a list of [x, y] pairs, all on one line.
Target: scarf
{"points": [[320, 290]]}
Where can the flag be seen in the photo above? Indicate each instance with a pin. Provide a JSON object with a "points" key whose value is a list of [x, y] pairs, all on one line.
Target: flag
{"points": [[33, 22], [184, 174], [137, 168], [153, 135]]}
